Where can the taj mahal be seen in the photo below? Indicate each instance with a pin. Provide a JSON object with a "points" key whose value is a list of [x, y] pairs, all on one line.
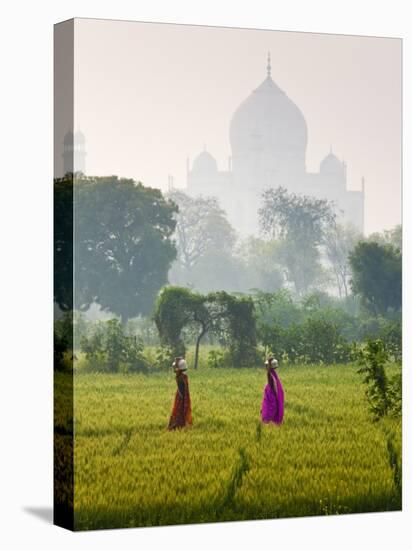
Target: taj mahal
{"points": [[268, 139]]}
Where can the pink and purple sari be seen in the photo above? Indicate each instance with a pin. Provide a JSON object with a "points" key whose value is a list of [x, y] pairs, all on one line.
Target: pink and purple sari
{"points": [[273, 399]]}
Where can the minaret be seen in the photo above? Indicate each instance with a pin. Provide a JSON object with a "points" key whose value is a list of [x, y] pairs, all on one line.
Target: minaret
{"points": [[170, 185], [363, 204], [74, 153], [68, 160], [269, 66], [79, 151]]}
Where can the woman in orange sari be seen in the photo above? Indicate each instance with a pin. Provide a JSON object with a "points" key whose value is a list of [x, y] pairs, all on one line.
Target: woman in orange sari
{"points": [[182, 411]]}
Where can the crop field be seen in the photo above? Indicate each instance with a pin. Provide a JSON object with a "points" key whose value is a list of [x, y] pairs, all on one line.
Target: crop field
{"points": [[327, 458]]}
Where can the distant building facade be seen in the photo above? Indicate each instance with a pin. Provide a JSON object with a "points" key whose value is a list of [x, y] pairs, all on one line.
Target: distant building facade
{"points": [[268, 138]]}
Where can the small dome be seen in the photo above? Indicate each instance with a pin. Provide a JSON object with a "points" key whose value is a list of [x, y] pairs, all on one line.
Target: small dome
{"points": [[204, 163], [331, 164]]}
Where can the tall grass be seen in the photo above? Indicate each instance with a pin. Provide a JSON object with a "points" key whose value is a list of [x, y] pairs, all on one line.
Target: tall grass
{"points": [[327, 458]]}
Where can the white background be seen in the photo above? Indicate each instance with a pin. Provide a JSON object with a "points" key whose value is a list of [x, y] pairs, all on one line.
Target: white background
{"points": [[26, 124]]}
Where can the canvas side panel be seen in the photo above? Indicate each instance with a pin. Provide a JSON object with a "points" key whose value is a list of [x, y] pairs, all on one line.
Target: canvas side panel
{"points": [[63, 274]]}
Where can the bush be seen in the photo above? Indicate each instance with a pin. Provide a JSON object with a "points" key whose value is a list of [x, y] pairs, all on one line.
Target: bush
{"points": [[391, 336], [395, 394], [384, 394], [283, 322], [144, 328], [217, 358], [164, 357], [282, 342], [109, 349], [389, 331], [322, 342], [313, 341]]}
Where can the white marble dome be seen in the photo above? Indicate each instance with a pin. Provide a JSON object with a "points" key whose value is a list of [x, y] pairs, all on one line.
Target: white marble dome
{"points": [[268, 121]]}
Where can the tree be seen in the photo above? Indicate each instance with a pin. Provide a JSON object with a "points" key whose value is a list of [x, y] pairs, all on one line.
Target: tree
{"points": [[239, 324], [229, 317], [300, 223], [177, 308], [208, 313], [201, 229], [394, 236], [122, 244], [339, 241], [277, 308], [260, 263], [63, 242], [389, 236], [377, 276], [216, 270], [302, 265]]}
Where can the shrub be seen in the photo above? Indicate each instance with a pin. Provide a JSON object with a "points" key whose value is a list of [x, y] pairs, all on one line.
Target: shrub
{"points": [[164, 357], [387, 330], [395, 394], [144, 328], [217, 358], [109, 349], [322, 342], [384, 395], [391, 336], [370, 328], [277, 308], [282, 342], [313, 341]]}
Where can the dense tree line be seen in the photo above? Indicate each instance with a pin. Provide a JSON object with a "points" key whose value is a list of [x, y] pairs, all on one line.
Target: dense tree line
{"points": [[130, 240], [243, 329], [125, 244]]}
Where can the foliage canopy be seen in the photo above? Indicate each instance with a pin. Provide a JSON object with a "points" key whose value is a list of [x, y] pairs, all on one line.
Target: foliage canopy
{"points": [[122, 244]]}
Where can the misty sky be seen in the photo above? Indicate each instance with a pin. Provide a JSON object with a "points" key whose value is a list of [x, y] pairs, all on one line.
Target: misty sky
{"points": [[147, 96]]}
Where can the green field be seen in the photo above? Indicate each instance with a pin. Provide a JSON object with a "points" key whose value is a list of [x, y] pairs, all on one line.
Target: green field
{"points": [[327, 458]]}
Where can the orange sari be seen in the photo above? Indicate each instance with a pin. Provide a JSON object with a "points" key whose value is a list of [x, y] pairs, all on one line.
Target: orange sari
{"points": [[182, 411]]}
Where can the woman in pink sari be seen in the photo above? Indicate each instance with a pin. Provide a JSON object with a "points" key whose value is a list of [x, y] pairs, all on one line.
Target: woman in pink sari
{"points": [[273, 396]]}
